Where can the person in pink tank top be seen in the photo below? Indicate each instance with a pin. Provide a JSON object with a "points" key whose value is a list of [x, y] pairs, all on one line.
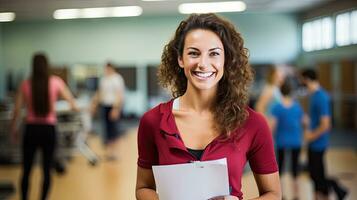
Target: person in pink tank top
{"points": [[39, 94]]}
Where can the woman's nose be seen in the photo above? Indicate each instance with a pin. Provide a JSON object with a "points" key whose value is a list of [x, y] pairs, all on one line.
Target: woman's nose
{"points": [[203, 62]]}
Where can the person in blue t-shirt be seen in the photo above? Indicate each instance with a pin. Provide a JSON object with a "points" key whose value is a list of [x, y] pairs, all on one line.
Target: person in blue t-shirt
{"points": [[318, 136], [287, 124]]}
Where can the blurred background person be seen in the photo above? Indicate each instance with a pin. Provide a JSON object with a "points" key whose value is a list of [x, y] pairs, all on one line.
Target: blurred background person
{"points": [[317, 136], [39, 94], [110, 96], [287, 121], [270, 94]]}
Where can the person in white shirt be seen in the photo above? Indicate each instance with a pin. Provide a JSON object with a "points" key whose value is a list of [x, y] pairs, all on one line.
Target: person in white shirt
{"points": [[110, 97]]}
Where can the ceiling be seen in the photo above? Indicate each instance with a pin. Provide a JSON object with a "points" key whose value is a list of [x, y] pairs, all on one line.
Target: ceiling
{"points": [[43, 9]]}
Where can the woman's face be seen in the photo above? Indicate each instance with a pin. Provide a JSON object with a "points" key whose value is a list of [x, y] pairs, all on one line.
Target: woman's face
{"points": [[202, 59]]}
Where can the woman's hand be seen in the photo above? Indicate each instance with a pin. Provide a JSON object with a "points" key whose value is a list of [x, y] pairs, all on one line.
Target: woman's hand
{"points": [[228, 197]]}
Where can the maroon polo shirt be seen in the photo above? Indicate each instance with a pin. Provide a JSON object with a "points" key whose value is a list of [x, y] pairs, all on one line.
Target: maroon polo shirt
{"points": [[159, 143]]}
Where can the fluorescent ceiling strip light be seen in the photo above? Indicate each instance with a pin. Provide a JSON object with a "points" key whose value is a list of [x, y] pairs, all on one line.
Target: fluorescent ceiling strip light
{"points": [[7, 16], [154, 0], [212, 7], [94, 12], [123, 11], [127, 11], [66, 14]]}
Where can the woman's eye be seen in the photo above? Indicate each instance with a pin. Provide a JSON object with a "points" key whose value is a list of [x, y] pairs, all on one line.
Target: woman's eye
{"points": [[193, 53], [214, 54]]}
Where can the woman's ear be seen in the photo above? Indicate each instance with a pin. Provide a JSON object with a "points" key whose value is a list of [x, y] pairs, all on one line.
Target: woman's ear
{"points": [[180, 61]]}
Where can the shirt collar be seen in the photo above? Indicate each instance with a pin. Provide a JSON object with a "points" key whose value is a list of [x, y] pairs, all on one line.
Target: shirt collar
{"points": [[168, 127], [167, 123]]}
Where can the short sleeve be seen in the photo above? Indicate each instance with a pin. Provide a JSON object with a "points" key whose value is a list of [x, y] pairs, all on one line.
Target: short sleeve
{"points": [[324, 106], [261, 153], [148, 154]]}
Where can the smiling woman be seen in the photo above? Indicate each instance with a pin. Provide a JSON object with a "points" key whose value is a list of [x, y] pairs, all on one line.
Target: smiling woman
{"points": [[202, 60], [206, 67]]}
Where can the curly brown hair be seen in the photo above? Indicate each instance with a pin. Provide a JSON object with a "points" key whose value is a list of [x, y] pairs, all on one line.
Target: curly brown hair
{"points": [[229, 109]]}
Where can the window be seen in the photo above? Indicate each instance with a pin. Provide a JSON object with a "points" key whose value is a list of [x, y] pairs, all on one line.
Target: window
{"points": [[343, 29], [323, 33], [317, 34], [354, 27], [307, 37], [327, 30]]}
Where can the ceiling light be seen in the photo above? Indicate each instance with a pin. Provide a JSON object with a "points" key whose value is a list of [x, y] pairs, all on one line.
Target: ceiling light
{"points": [[94, 12], [66, 14], [7, 16], [212, 7], [123, 11], [127, 11]]}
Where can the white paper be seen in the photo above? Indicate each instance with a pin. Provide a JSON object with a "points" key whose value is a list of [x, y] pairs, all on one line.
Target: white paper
{"points": [[192, 181]]}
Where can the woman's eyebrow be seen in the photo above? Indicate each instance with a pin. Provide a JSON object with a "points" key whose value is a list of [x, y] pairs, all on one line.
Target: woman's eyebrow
{"points": [[193, 48], [216, 48], [212, 49]]}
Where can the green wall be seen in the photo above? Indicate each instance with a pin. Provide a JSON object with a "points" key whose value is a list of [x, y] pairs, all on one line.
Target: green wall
{"points": [[270, 38], [2, 70]]}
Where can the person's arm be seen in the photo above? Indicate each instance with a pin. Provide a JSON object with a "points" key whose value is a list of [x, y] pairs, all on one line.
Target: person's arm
{"points": [[272, 123], [145, 185], [325, 125], [67, 95], [119, 98], [263, 101], [117, 106], [273, 120], [263, 163], [268, 186], [323, 108], [15, 115], [94, 103], [305, 121]]}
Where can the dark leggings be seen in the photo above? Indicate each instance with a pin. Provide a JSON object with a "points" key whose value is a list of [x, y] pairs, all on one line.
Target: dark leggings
{"points": [[294, 160], [42, 137], [110, 126], [322, 183], [317, 170]]}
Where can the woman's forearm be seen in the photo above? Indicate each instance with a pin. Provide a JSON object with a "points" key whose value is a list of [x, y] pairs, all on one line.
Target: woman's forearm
{"points": [[269, 196], [146, 194]]}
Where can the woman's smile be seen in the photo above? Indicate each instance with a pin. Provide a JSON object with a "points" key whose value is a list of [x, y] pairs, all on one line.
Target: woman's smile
{"points": [[203, 75]]}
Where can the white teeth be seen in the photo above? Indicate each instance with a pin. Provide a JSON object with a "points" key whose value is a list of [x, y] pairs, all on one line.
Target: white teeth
{"points": [[204, 74]]}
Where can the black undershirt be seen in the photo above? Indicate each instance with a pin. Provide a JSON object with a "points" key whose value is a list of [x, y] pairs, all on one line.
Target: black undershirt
{"points": [[196, 153]]}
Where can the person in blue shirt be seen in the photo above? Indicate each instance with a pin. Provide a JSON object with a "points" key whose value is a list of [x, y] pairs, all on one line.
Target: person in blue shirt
{"points": [[287, 124], [317, 136]]}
